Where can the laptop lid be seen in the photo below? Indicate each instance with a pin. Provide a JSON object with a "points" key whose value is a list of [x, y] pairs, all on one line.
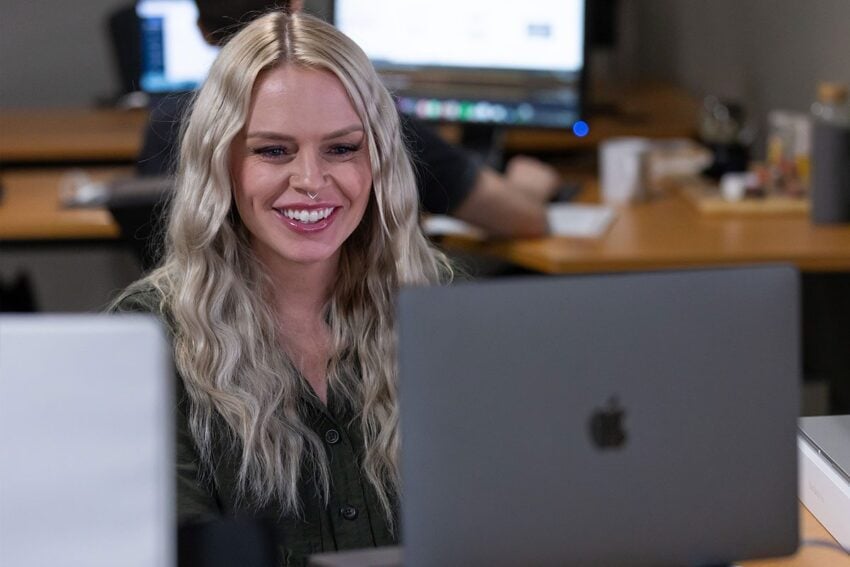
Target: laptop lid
{"points": [[642, 419], [830, 435], [86, 457]]}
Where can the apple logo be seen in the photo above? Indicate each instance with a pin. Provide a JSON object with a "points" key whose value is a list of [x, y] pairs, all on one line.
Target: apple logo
{"points": [[606, 425]]}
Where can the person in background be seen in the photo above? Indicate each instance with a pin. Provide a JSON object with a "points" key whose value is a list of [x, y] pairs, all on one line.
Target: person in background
{"points": [[293, 223], [450, 181]]}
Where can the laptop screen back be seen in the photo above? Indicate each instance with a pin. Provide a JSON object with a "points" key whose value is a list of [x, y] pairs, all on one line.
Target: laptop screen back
{"points": [[644, 419], [86, 442]]}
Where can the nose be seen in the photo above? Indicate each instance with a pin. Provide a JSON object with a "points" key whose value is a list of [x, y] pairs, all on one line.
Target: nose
{"points": [[307, 174]]}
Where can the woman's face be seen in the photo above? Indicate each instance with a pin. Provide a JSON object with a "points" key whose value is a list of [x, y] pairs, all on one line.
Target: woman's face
{"points": [[300, 167]]}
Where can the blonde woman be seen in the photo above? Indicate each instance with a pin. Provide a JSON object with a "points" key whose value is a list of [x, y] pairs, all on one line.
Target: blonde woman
{"points": [[293, 223]]}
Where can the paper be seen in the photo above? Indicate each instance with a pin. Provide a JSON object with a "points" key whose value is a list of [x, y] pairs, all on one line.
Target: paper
{"points": [[565, 219], [580, 221]]}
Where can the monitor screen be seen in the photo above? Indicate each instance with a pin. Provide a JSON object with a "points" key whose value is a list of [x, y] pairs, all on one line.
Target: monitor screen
{"points": [[175, 56], [473, 61]]}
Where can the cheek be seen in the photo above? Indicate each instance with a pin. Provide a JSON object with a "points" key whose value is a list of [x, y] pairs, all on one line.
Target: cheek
{"points": [[358, 183], [252, 183]]}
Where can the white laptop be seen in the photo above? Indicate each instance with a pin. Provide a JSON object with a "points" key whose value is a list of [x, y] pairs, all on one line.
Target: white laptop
{"points": [[645, 419], [86, 448]]}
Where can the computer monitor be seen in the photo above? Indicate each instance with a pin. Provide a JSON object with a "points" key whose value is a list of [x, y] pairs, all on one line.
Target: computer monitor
{"points": [[475, 61], [175, 56]]}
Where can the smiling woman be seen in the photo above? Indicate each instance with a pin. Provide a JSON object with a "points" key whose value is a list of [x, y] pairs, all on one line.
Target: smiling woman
{"points": [[301, 169], [294, 222]]}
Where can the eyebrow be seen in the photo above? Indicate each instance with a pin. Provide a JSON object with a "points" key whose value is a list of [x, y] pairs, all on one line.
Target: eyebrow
{"points": [[278, 136]]}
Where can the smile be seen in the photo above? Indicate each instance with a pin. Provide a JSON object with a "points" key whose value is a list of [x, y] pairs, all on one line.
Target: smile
{"points": [[307, 217]]}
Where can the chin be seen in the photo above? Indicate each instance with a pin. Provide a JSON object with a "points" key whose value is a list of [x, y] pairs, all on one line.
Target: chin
{"points": [[312, 255]]}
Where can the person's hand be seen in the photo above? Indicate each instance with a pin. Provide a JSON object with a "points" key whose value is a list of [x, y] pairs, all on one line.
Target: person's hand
{"points": [[534, 178]]}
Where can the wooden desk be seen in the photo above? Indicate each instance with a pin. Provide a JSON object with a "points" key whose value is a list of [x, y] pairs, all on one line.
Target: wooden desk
{"points": [[70, 135], [669, 233], [666, 233], [30, 208]]}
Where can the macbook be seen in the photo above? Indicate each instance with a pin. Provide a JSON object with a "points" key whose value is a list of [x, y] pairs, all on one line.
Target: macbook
{"points": [[830, 436], [640, 419]]}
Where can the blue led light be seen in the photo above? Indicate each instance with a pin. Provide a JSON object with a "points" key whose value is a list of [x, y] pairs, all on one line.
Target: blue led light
{"points": [[581, 129]]}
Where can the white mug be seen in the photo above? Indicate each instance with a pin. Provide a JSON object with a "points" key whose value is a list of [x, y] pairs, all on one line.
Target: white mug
{"points": [[624, 169]]}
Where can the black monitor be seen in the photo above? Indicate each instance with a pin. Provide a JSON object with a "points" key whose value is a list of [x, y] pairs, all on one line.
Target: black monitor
{"points": [[475, 61]]}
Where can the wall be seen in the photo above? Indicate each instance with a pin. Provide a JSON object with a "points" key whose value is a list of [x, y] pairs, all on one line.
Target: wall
{"points": [[55, 53], [767, 53]]}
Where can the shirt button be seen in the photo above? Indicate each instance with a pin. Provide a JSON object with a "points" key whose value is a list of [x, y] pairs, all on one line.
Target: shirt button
{"points": [[348, 512], [332, 436]]}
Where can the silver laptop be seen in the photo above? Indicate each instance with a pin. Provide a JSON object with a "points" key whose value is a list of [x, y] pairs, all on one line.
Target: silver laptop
{"points": [[601, 420], [86, 442], [830, 436]]}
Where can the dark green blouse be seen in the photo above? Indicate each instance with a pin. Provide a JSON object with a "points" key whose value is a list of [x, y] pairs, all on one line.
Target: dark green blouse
{"points": [[352, 518]]}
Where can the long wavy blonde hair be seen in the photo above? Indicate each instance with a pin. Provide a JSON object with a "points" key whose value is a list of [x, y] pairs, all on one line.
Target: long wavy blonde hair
{"points": [[216, 292]]}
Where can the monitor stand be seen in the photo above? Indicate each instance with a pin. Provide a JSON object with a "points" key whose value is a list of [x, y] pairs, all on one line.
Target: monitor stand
{"points": [[486, 142]]}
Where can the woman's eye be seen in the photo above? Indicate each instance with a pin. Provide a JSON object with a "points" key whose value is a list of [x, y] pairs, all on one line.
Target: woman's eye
{"points": [[343, 149], [270, 151]]}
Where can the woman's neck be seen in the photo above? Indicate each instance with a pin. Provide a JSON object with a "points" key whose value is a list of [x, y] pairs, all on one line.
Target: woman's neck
{"points": [[300, 294]]}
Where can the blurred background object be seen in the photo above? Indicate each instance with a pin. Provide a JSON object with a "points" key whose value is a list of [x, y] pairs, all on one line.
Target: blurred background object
{"points": [[722, 129], [831, 155]]}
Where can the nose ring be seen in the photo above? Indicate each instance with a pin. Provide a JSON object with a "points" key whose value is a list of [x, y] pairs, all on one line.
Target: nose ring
{"points": [[312, 195]]}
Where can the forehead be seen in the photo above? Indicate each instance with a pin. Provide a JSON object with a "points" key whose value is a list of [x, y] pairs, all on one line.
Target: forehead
{"points": [[298, 98]]}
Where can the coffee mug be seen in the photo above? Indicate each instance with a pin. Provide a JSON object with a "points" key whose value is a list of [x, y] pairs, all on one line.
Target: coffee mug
{"points": [[624, 169]]}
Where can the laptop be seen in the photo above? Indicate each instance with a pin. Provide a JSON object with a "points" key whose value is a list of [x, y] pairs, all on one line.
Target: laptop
{"points": [[640, 419], [86, 442], [830, 436]]}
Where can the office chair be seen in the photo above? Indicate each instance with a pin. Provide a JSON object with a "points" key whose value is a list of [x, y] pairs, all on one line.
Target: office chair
{"points": [[138, 206]]}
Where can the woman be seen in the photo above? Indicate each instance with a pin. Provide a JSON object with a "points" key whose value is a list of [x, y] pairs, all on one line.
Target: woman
{"points": [[293, 223]]}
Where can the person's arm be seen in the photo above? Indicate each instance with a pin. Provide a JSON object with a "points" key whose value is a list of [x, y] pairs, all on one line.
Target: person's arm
{"points": [[451, 182], [502, 208]]}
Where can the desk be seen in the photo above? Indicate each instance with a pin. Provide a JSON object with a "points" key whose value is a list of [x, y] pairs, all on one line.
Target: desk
{"points": [[669, 233], [666, 233], [30, 208], [70, 135]]}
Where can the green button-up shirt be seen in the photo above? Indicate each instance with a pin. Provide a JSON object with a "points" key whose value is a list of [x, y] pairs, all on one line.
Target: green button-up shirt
{"points": [[352, 518]]}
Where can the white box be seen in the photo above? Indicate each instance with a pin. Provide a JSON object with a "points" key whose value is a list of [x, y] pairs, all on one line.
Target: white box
{"points": [[824, 491]]}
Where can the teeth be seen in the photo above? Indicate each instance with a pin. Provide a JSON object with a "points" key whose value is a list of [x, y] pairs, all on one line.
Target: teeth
{"points": [[307, 217]]}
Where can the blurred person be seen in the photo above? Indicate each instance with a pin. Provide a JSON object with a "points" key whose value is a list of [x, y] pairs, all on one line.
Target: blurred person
{"points": [[450, 180], [294, 221]]}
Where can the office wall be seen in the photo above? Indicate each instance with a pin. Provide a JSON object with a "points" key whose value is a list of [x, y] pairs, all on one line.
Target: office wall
{"points": [[55, 53], [767, 53]]}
